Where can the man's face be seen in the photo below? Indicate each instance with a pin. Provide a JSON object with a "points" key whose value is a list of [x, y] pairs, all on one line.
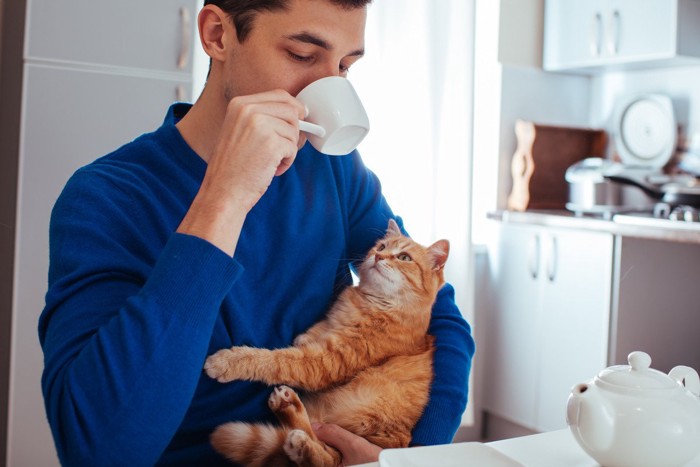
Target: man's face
{"points": [[289, 49]]}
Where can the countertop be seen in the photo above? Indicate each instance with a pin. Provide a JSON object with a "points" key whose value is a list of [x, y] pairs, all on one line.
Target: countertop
{"points": [[551, 449], [566, 219]]}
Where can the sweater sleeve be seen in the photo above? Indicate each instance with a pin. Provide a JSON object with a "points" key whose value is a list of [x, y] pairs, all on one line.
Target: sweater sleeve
{"points": [[452, 364], [125, 330], [453, 339]]}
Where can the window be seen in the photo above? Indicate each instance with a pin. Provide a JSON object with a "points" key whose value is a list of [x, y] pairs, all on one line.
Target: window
{"points": [[416, 83]]}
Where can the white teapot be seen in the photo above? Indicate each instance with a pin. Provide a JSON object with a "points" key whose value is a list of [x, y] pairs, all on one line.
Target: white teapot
{"points": [[637, 416]]}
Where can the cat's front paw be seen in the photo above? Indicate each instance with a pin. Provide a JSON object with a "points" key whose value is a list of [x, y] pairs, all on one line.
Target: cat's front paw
{"points": [[217, 366], [302, 339]]}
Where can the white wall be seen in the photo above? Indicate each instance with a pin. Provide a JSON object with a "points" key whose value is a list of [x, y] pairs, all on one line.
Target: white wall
{"points": [[543, 98]]}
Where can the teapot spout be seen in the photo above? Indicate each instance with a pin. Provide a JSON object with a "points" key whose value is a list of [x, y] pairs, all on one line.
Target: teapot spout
{"points": [[573, 406], [590, 418]]}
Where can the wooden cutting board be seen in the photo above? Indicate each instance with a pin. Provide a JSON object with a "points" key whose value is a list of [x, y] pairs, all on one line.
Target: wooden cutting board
{"points": [[539, 164]]}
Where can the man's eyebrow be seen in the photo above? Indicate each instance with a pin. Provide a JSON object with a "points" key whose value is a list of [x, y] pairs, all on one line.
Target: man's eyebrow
{"points": [[310, 38]]}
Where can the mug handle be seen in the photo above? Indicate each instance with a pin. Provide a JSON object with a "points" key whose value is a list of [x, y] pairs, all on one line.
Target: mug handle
{"points": [[312, 128], [682, 374]]}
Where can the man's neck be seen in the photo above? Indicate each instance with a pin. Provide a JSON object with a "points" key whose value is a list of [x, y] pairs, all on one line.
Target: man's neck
{"points": [[200, 127]]}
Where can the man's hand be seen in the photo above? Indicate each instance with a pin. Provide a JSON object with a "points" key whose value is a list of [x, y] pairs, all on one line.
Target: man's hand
{"points": [[355, 450], [258, 139]]}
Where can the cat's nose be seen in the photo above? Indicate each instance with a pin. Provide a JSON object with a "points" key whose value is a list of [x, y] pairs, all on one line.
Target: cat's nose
{"points": [[377, 258]]}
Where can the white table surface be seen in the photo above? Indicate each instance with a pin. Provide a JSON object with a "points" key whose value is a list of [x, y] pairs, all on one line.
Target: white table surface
{"points": [[552, 449], [555, 449]]}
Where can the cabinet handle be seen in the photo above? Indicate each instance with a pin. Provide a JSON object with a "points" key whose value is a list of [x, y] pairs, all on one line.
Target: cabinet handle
{"points": [[552, 260], [534, 261], [614, 36], [186, 34], [180, 93], [596, 35]]}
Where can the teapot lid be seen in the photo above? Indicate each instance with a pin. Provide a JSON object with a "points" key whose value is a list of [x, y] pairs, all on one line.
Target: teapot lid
{"points": [[637, 375]]}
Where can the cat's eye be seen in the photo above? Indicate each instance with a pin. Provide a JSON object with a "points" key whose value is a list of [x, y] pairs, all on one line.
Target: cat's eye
{"points": [[381, 247], [404, 257]]}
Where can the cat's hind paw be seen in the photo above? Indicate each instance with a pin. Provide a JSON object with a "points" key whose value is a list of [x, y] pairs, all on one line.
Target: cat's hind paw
{"points": [[302, 449], [281, 398], [296, 445], [290, 411], [217, 366]]}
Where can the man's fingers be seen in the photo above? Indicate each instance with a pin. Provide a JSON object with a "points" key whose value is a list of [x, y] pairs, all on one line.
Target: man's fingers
{"points": [[331, 434], [354, 449]]}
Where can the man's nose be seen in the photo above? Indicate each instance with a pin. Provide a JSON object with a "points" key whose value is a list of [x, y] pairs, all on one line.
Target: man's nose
{"points": [[328, 70]]}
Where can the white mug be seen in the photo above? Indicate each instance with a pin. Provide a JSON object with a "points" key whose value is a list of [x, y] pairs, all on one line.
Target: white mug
{"points": [[336, 122]]}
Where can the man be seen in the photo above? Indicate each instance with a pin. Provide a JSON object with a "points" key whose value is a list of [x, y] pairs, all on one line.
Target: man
{"points": [[220, 228]]}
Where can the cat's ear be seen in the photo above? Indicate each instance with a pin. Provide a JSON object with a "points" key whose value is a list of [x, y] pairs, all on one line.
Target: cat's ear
{"points": [[393, 228], [440, 250]]}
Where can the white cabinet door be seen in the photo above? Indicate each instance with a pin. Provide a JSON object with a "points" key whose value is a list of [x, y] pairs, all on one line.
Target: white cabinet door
{"points": [[549, 326], [511, 346], [70, 118], [640, 29], [574, 33], [150, 35], [576, 295]]}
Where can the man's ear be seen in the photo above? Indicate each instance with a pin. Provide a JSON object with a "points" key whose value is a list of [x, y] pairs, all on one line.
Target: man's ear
{"points": [[214, 28]]}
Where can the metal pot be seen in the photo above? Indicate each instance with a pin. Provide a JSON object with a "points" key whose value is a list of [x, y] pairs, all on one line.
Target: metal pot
{"points": [[591, 191]]}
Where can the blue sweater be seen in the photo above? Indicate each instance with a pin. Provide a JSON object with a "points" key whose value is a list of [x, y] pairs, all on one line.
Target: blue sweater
{"points": [[134, 308]]}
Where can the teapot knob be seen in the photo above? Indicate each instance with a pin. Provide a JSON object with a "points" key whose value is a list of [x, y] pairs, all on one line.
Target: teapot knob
{"points": [[639, 360]]}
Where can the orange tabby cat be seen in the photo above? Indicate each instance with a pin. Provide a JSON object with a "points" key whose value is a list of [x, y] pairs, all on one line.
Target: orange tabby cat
{"points": [[368, 363]]}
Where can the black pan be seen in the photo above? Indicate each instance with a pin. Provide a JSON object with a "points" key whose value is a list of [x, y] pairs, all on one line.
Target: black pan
{"points": [[672, 193]]}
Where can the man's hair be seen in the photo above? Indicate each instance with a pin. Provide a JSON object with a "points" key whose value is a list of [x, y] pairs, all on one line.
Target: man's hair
{"points": [[243, 12]]}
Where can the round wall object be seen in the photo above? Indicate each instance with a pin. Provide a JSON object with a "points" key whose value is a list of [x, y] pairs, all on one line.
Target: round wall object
{"points": [[646, 131]]}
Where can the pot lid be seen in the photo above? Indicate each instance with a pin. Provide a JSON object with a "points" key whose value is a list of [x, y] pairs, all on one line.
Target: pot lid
{"points": [[646, 131], [592, 169], [637, 375]]}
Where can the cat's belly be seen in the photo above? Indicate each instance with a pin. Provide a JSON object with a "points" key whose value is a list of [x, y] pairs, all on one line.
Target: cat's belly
{"points": [[389, 397]]}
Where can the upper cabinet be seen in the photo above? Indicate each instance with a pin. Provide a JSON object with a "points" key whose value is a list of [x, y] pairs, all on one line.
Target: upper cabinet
{"points": [[591, 36], [151, 35]]}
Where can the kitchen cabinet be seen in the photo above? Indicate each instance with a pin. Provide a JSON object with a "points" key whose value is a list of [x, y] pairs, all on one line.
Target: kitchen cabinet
{"points": [[589, 36], [95, 76], [152, 35], [548, 326], [569, 296]]}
